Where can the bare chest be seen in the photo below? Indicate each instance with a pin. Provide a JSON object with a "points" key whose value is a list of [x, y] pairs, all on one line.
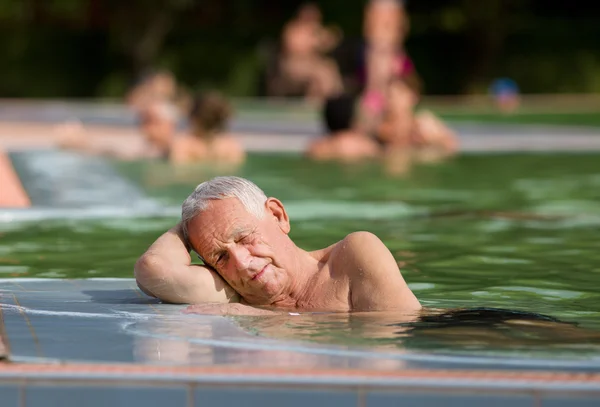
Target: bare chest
{"points": [[327, 292]]}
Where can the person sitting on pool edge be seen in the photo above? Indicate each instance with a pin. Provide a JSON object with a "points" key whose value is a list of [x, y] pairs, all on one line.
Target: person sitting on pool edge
{"points": [[343, 141], [251, 262]]}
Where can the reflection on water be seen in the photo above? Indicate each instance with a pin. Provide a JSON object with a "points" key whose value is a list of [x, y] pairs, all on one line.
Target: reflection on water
{"points": [[473, 331], [491, 329], [365, 340], [505, 231], [210, 341]]}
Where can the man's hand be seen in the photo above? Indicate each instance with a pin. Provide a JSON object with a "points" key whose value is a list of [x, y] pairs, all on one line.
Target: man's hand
{"points": [[227, 309], [166, 272]]}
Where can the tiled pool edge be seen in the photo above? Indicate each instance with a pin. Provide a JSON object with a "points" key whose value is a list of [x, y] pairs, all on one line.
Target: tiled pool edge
{"points": [[13, 194], [229, 375], [32, 384]]}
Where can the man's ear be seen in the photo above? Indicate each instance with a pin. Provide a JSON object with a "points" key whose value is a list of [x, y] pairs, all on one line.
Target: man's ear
{"points": [[275, 208]]}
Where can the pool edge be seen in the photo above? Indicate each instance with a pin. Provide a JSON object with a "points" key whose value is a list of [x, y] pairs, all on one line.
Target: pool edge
{"points": [[409, 378]]}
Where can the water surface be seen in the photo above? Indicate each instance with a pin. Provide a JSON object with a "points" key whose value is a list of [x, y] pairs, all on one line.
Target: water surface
{"points": [[507, 231]]}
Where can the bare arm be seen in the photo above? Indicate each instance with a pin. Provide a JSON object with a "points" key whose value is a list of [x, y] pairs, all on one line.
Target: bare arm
{"points": [[165, 272], [375, 280], [92, 145]]}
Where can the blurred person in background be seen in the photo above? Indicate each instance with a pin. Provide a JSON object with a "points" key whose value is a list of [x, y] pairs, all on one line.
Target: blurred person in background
{"points": [[343, 140], [157, 121], [303, 69], [207, 139], [392, 90], [383, 57], [419, 132], [505, 92], [156, 85]]}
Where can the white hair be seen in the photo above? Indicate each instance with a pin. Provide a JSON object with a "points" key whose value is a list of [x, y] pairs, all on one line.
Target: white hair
{"points": [[252, 197]]}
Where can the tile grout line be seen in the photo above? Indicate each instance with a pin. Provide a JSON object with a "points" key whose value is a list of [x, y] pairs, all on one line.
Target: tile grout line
{"points": [[537, 399], [4, 344], [191, 389], [36, 340], [22, 395], [19, 286], [361, 397]]}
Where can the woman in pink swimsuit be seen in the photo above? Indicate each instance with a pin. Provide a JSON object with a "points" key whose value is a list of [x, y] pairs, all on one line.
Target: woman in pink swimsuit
{"points": [[383, 58]]}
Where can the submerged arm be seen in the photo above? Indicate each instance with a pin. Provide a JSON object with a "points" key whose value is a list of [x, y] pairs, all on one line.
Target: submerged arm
{"points": [[165, 271]]}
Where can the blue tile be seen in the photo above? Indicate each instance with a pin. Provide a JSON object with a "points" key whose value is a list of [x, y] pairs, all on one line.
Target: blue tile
{"points": [[261, 397], [571, 401], [9, 396], [103, 396], [415, 399]]}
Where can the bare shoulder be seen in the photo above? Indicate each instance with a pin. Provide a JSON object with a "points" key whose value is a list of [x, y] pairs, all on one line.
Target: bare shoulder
{"points": [[187, 148], [376, 283], [361, 237], [361, 252], [362, 243]]}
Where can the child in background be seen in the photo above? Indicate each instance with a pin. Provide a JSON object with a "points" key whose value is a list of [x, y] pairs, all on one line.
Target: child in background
{"points": [[343, 141], [160, 85], [505, 92], [207, 139], [420, 132]]}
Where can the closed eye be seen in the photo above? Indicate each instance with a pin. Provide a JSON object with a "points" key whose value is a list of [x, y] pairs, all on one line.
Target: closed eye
{"points": [[244, 238], [221, 257]]}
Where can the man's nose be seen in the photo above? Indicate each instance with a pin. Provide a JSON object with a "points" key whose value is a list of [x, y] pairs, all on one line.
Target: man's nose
{"points": [[240, 256]]}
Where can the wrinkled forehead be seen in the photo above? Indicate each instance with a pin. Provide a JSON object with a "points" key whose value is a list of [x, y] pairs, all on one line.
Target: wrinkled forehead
{"points": [[221, 220]]}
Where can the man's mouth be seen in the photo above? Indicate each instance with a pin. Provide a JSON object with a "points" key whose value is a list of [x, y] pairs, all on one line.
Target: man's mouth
{"points": [[254, 277]]}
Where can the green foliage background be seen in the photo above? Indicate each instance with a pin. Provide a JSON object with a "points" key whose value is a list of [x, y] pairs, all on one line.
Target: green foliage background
{"points": [[95, 48]]}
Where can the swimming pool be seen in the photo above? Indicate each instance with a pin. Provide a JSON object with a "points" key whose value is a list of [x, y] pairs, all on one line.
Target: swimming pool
{"points": [[512, 231]]}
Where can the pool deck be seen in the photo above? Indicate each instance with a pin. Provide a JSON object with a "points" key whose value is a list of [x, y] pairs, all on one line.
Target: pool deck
{"points": [[116, 343], [49, 360], [294, 137]]}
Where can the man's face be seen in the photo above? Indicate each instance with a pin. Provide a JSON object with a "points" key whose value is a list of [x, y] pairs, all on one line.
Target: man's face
{"points": [[251, 254]]}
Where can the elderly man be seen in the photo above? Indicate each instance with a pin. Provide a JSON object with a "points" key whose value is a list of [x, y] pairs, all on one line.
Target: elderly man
{"points": [[251, 265]]}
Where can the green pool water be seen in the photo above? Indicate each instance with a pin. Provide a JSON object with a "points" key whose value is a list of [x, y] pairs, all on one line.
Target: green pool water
{"points": [[507, 231]]}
